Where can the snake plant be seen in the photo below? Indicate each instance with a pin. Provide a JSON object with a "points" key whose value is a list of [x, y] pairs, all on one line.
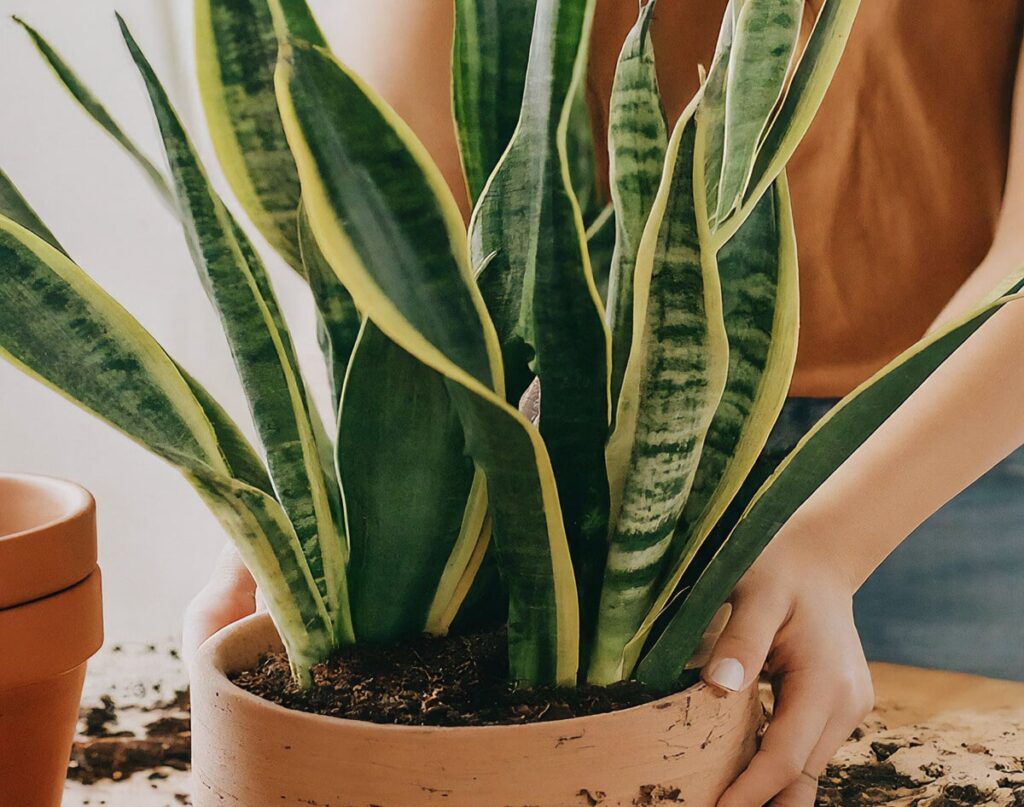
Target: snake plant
{"points": [[658, 332]]}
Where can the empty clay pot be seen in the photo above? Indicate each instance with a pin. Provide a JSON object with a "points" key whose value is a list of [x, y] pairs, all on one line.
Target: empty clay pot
{"points": [[249, 751], [50, 624]]}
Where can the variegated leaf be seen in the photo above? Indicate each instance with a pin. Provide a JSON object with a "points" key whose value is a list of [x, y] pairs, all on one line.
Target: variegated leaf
{"points": [[58, 326], [671, 390], [489, 55], [758, 270], [237, 284], [95, 109], [637, 139], [818, 455], [236, 49], [540, 290], [389, 226], [763, 44], [807, 88]]}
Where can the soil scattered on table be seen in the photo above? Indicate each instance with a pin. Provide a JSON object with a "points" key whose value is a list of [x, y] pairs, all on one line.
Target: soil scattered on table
{"points": [[100, 753], [454, 681]]}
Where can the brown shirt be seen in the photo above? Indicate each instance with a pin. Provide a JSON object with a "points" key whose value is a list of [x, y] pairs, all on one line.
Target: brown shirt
{"points": [[897, 186]]}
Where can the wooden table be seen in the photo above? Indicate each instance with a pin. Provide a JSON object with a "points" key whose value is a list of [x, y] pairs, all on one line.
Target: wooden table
{"points": [[935, 739]]}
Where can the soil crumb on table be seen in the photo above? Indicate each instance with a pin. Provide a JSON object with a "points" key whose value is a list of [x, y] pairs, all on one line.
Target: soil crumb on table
{"points": [[452, 681], [955, 760]]}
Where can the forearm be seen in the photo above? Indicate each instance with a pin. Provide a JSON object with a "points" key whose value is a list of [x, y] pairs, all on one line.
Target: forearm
{"points": [[966, 418]]}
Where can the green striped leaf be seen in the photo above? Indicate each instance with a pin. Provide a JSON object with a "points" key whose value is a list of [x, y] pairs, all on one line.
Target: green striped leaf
{"points": [[236, 49], [844, 429], [407, 480], [237, 284], [672, 387], [338, 320], [760, 292], [637, 139], [763, 44], [15, 207], [540, 289], [712, 111], [61, 328], [489, 55], [388, 225], [270, 549], [807, 88], [580, 150], [601, 246], [95, 109], [243, 462]]}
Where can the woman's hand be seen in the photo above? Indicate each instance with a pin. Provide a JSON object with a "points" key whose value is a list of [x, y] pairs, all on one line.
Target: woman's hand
{"points": [[229, 595], [793, 617]]}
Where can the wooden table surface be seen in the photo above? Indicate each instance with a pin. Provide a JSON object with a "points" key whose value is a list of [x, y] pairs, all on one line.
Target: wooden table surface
{"points": [[935, 738]]}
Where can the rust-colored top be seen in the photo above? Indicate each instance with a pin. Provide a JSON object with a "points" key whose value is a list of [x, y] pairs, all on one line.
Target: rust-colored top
{"points": [[897, 186]]}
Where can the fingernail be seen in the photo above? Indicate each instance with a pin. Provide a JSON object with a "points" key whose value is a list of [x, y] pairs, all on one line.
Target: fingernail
{"points": [[727, 674]]}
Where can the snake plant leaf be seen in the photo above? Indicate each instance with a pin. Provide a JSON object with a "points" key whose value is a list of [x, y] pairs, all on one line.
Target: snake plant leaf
{"points": [[236, 49], [95, 109], [810, 81], [489, 54], [760, 292], [15, 207], [672, 387], [816, 457], [763, 44], [338, 320], [389, 226], [243, 462], [269, 548], [580, 150], [540, 289], [637, 139], [293, 19], [64, 330], [601, 246], [61, 328], [712, 111], [237, 285], [407, 481]]}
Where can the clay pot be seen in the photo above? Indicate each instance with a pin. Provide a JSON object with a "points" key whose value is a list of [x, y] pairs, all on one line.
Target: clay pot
{"points": [[249, 751], [50, 624]]}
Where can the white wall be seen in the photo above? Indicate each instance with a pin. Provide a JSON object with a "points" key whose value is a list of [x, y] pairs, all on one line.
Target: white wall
{"points": [[156, 539]]}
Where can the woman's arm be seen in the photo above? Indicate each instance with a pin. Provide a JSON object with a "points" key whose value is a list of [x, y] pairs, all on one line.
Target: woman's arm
{"points": [[792, 611]]}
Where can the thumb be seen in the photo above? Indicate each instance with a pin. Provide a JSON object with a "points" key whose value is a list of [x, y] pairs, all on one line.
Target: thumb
{"points": [[741, 650]]}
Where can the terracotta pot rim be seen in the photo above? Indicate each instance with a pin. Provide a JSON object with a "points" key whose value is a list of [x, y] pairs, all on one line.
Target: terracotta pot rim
{"points": [[51, 635], [54, 548], [208, 661], [80, 501]]}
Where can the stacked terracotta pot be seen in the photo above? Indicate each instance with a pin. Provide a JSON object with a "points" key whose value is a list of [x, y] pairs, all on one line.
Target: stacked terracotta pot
{"points": [[50, 624]]}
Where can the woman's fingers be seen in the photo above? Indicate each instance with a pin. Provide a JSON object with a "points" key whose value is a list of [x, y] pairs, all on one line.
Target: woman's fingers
{"points": [[802, 711], [800, 793], [229, 596], [855, 701], [743, 646]]}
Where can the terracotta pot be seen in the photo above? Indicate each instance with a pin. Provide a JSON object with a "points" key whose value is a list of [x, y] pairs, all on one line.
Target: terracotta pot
{"points": [[50, 624], [251, 752]]}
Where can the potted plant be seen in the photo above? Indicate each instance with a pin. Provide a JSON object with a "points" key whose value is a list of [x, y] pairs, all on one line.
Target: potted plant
{"points": [[527, 422], [51, 623]]}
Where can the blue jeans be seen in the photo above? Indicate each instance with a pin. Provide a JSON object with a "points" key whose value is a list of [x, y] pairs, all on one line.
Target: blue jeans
{"points": [[952, 595]]}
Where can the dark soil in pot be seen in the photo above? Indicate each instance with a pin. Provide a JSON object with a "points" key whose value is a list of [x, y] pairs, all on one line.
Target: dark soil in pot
{"points": [[451, 681]]}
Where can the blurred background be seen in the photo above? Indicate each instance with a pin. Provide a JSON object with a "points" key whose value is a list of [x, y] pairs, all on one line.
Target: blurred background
{"points": [[157, 540]]}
